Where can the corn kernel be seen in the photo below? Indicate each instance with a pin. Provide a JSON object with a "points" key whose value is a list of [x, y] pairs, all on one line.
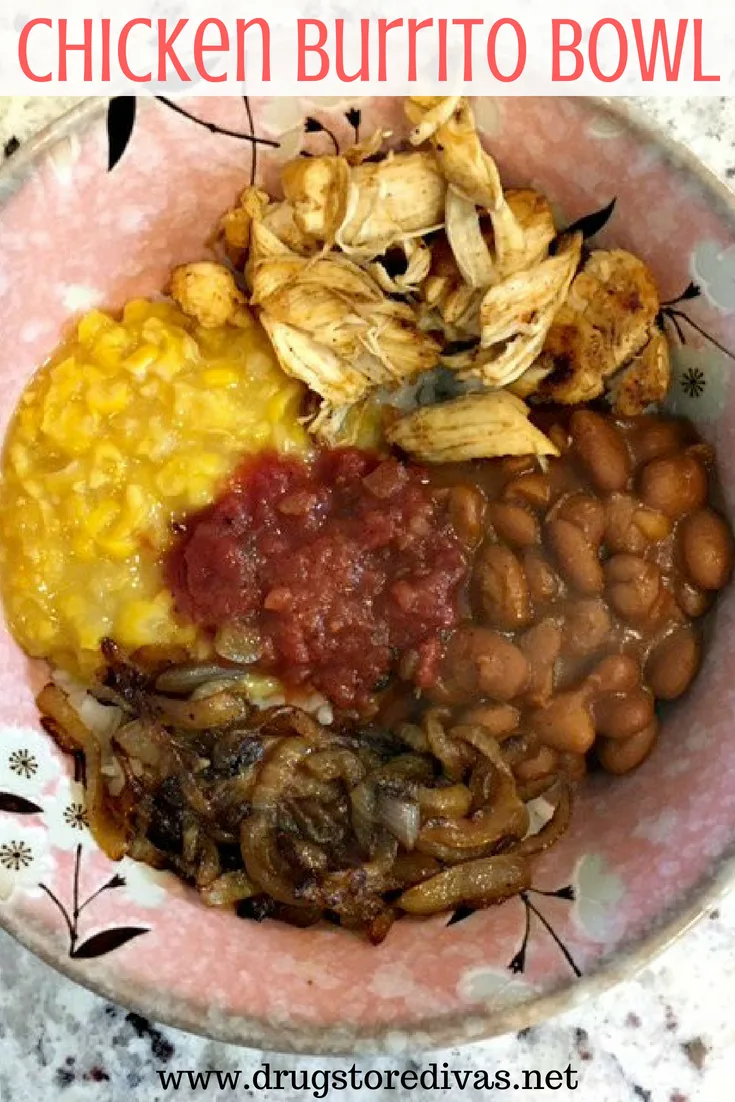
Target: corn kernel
{"points": [[220, 377], [92, 325], [102, 517], [112, 397], [128, 427], [138, 362]]}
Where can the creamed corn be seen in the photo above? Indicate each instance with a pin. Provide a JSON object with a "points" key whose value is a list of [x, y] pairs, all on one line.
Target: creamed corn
{"points": [[130, 426]]}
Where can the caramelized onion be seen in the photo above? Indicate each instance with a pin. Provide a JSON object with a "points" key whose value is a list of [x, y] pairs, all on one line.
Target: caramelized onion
{"points": [[238, 643], [227, 889], [477, 883], [400, 816], [276, 813], [63, 723]]}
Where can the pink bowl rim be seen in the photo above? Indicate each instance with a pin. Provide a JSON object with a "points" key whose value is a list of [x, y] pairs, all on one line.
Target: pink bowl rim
{"points": [[444, 1031]]}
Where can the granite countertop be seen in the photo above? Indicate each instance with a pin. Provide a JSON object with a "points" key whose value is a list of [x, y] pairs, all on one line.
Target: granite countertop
{"points": [[668, 1036]]}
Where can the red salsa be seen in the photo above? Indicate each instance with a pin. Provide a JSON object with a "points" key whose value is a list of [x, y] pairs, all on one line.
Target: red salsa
{"points": [[346, 567]]}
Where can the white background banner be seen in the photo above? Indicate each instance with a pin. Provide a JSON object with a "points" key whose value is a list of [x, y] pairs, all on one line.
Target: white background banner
{"points": [[370, 47]]}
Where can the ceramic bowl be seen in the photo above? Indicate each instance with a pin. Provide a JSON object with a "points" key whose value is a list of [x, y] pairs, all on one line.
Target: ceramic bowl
{"points": [[645, 854]]}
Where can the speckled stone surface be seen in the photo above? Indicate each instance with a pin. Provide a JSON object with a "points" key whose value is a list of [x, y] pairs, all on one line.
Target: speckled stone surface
{"points": [[668, 1036]]}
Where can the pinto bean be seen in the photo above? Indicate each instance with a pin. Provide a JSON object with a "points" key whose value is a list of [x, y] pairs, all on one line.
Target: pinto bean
{"points": [[707, 549], [532, 489], [502, 587], [541, 645], [633, 586], [620, 756], [602, 450], [693, 602], [620, 715], [565, 723], [576, 556], [617, 673], [513, 465], [466, 511], [514, 524], [480, 663], [544, 583], [674, 485], [673, 663], [587, 626], [632, 527], [585, 512], [540, 765], [655, 439]]}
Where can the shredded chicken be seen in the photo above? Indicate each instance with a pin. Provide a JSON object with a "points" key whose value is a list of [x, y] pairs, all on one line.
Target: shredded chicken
{"points": [[378, 264], [329, 307], [475, 426]]}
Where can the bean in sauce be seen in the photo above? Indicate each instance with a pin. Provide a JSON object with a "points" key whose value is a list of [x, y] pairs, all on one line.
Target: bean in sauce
{"points": [[589, 578]]}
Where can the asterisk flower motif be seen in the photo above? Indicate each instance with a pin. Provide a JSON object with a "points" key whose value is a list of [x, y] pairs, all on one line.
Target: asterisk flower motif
{"points": [[16, 855], [27, 762], [701, 382], [66, 815], [75, 816], [25, 859], [23, 763], [692, 382]]}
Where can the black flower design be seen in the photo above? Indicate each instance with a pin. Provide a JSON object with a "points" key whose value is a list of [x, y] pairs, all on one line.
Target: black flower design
{"points": [[15, 856], [670, 312], [75, 816], [23, 763], [693, 382], [121, 118], [104, 941], [517, 964], [315, 126]]}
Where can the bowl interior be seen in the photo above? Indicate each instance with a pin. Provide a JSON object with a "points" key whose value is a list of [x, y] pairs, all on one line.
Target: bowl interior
{"points": [[642, 852]]}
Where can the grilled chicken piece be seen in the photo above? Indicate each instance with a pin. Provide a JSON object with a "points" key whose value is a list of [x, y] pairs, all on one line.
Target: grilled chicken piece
{"points": [[208, 293], [608, 317], [644, 381]]}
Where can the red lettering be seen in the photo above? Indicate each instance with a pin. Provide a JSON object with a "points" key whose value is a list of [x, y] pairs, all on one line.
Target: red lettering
{"points": [[492, 46], [318, 47], [167, 52], [622, 46], [105, 75], [23, 50], [441, 73], [363, 72], [414, 26], [659, 38], [557, 47], [200, 48], [65, 46], [265, 33], [385, 25], [467, 25], [122, 50], [698, 74]]}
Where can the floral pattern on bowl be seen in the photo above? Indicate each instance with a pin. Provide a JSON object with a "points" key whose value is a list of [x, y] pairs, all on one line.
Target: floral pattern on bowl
{"points": [[644, 853]]}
